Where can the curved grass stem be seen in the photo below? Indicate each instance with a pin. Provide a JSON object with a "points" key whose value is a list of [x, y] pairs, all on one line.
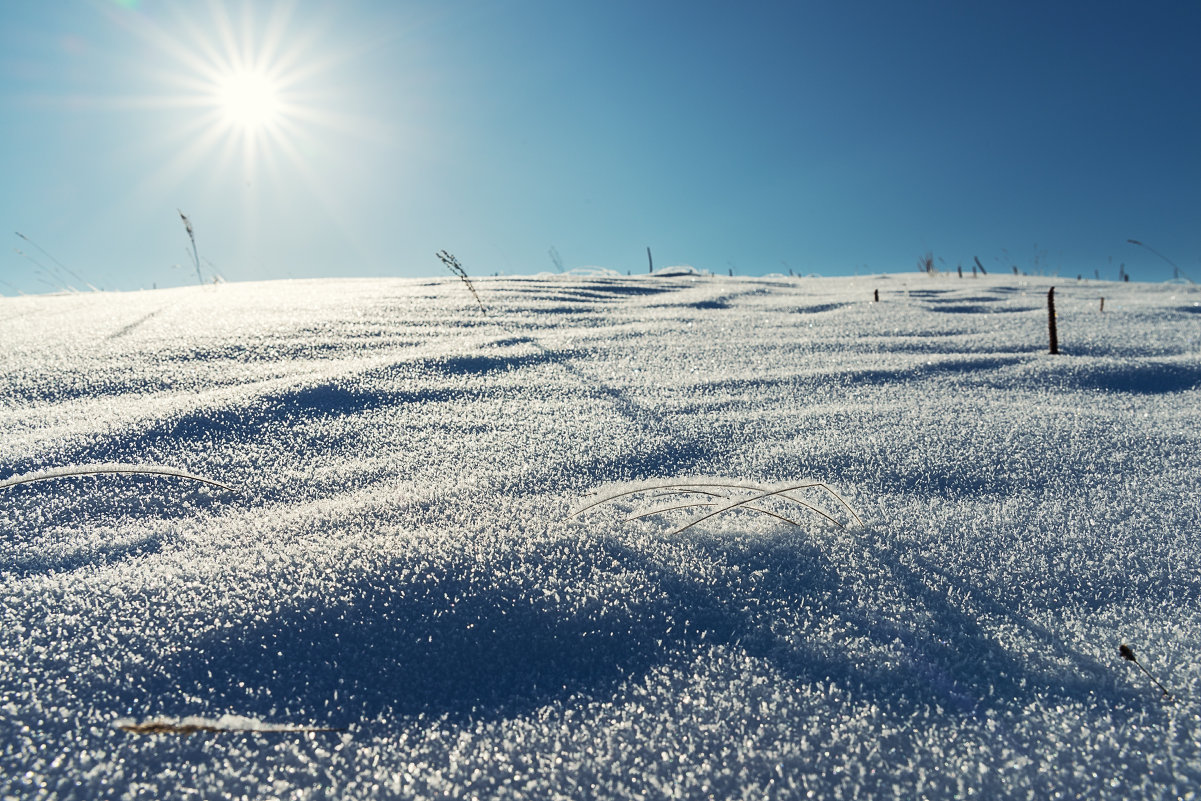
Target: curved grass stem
{"points": [[109, 469]]}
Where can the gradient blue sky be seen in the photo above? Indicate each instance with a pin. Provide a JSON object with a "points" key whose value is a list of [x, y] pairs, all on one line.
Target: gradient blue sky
{"points": [[831, 137]]}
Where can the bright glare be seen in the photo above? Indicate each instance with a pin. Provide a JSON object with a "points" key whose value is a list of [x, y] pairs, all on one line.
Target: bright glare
{"points": [[248, 85], [248, 100]]}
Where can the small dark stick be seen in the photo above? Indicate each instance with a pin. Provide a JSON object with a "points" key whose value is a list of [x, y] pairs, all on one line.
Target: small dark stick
{"points": [[1102, 304], [1051, 322], [1128, 654], [876, 295]]}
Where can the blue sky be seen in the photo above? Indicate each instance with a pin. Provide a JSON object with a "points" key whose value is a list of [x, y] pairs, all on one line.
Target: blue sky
{"points": [[830, 138]]}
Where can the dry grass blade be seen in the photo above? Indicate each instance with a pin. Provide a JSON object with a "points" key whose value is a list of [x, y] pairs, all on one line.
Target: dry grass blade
{"points": [[452, 264], [766, 494], [187, 224], [197, 725], [694, 504], [783, 493], [675, 487], [109, 469], [707, 487], [663, 509]]}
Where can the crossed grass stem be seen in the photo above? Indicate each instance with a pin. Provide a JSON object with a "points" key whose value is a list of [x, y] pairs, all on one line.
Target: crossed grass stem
{"points": [[713, 489]]}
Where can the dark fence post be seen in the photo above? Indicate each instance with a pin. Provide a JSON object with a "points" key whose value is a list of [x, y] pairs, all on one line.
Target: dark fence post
{"points": [[1051, 322]]}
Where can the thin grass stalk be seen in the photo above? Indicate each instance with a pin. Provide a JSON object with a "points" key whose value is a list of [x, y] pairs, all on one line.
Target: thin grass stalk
{"points": [[1178, 273], [68, 270], [452, 264], [187, 224], [1127, 653], [816, 484], [700, 487], [698, 491], [697, 487], [169, 727], [112, 469], [670, 486], [744, 502], [43, 270], [661, 509]]}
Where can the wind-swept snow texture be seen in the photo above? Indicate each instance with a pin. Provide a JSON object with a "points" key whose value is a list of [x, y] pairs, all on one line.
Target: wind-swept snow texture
{"points": [[399, 559]]}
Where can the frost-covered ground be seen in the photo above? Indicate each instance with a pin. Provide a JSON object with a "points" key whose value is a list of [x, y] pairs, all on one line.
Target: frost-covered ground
{"points": [[400, 559]]}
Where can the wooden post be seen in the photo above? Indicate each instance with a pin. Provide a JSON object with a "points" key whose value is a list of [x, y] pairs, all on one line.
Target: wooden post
{"points": [[1051, 322]]}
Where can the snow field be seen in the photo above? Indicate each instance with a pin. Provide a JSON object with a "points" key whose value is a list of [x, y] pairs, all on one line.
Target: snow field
{"points": [[400, 559]]}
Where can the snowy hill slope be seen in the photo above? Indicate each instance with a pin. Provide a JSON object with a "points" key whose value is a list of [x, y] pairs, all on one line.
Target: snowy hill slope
{"points": [[400, 559]]}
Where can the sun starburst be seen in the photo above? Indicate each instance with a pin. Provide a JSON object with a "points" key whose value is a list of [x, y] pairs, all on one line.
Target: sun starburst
{"points": [[249, 100], [245, 109], [253, 78]]}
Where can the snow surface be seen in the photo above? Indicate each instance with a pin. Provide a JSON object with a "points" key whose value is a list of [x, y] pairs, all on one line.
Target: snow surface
{"points": [[400, 560]]}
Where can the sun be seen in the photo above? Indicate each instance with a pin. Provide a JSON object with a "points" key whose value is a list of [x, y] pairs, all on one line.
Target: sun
{"points": [[255, 74], [252, 97], [248, 100]]}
